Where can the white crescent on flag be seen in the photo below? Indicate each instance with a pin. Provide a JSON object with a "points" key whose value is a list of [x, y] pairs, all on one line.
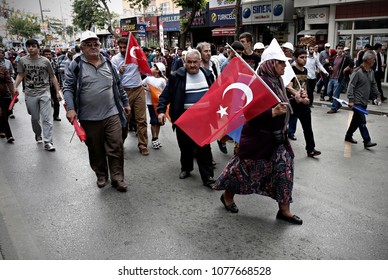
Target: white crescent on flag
{"points": [[131, 52], [244, 88]]}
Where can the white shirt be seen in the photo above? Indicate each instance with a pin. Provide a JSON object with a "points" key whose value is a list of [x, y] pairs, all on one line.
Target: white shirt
{"points": [[311, 65]]}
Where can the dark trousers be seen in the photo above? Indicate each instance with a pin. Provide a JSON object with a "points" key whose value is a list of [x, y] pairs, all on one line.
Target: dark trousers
{"points": [[378, 77], [310, 89], [54, 102], [358, 121], [323, 82], [303, 113], [189, 150], [4, 114], [105, 146]]}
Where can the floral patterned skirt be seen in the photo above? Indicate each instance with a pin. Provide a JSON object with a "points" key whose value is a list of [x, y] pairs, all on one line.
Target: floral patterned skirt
{"points": [[270, 177]]}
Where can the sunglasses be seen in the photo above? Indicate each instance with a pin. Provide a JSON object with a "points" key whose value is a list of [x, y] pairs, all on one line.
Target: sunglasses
{"points": [[94, 45]]}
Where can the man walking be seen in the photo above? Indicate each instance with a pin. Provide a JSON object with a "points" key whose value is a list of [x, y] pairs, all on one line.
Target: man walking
{"points": [[54, 100], [379, 68], [185, 87], [94, 95], [132, 83], [361, 85], [37, 73]]}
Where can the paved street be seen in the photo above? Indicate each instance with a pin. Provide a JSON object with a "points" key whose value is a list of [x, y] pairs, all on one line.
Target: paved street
{"points": [[50, 207]]}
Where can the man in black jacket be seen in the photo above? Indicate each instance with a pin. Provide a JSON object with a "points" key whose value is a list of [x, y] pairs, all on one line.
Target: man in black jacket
{"points": [[184, 88]]}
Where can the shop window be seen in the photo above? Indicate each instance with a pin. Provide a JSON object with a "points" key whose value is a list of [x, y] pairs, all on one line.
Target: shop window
{"points": [[371, 24], [345, 25]]}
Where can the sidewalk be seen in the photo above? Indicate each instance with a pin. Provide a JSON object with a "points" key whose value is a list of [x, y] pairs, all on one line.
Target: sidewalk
{"points": [[372, 109]]}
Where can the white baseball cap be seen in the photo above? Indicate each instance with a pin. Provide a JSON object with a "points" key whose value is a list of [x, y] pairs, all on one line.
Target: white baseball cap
{"points": [[346, 49], [258, 46], [327, 45], [288, 45], [88, 35], [161, 66]]}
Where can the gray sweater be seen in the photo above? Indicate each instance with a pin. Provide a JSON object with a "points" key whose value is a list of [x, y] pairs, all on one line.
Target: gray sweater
{"points": [[361, 85]]}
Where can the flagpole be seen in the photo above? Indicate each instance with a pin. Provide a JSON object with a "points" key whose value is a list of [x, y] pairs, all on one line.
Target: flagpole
{"points": [[126, 53], [253, 71]]}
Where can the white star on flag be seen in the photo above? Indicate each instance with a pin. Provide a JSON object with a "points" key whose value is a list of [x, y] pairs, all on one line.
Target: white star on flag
{"points": [[222, 111]]}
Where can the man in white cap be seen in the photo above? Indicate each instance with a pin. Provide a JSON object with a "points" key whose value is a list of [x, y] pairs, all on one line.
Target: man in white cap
{"points": [[288, 50], [258, 48], [324, 79], [94, 95]]}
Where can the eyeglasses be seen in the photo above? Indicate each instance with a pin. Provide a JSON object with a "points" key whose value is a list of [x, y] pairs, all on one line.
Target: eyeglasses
{"points": [[281, 62], [89, 45]]}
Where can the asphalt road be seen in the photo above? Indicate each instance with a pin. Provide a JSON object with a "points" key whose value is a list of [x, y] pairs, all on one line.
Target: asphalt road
{"points": [[50, 207]]}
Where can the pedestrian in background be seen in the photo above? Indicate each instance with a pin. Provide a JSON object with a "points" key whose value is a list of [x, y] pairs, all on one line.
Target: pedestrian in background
{"points": [[6, 93], [266, 168], [37, 72], [249, 55], [131, 81], [362, 84], [94, 95]]}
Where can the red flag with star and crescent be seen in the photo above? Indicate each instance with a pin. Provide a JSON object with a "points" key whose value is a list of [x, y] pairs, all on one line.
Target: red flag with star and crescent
{"points": [[237, 96], [135, 55]]}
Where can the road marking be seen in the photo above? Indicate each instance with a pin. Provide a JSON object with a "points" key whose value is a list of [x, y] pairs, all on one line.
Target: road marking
{"points": [[348, 145]]}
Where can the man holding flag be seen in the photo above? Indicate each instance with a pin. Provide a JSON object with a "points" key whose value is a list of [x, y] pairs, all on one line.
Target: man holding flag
{"points": [[129, 62], [184, 88], [93, 94]]}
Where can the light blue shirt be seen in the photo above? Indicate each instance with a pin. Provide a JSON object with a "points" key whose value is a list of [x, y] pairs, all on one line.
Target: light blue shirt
{"points": [[131, 77]]}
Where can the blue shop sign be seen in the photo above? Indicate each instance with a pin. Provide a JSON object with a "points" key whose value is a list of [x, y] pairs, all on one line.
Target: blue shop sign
{"points": [[141, 29], [222, 17], [170, 22]]}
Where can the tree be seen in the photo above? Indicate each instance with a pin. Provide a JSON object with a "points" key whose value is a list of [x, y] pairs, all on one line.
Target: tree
{"points": [[88, 13], [237, 23], [186, 22], [25, 28]]}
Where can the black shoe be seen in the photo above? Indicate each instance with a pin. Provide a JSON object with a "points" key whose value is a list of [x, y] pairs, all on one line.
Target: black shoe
{"points": [[120, 186], [351, 140], [222, 147], [383, 98], [101, 181], [10, 139], [313, 153], [57, 119], [369, 145], [231, 208], [209, 182], [184, 174], [292, 137], [12, 116], [293, 220]]}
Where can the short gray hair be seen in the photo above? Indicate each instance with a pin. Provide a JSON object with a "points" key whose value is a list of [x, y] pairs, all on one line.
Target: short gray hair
{"points": [[368, 55], [201, 45], [193, 52]]}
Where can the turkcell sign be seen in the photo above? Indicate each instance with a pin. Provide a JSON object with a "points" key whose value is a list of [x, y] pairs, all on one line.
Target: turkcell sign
{"points": [[170, 22], [222, 17], [263, 12]]}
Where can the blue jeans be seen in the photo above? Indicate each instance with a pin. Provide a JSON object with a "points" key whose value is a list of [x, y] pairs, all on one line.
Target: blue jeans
{"points": [[334, 90]]}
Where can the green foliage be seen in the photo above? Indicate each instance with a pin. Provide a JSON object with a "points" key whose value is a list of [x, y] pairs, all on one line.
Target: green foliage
{"points": [[140, 4], [25, 28], [88, 13]]}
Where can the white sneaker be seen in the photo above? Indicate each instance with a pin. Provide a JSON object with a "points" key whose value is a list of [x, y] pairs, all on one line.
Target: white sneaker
{"points": [[49, 147], [159, 144], [155, 144]]}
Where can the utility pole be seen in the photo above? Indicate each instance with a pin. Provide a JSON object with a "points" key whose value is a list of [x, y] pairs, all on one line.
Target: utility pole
{"points": [[41, 14]]}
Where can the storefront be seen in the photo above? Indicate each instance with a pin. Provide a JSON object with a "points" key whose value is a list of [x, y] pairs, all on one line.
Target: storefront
{"points": [[269, 19], [316, 27], [152, 34], [135, 26], [359, 24], [222, 20], [200, 30], [171, 29]]}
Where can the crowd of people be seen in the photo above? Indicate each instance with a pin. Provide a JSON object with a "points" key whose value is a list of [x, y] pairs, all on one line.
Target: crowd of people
{"points": [[108, 96]]}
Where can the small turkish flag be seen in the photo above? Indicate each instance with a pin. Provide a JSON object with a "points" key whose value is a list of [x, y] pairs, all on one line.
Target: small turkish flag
{"points": [[136, 55], [237, 96]]}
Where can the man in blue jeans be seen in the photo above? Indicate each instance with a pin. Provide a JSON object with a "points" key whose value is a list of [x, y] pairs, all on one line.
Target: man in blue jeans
{"points": [[340, 64]]}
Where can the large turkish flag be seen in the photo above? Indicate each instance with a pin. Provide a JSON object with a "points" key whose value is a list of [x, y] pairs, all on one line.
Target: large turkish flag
{"points": [[237, 96]]}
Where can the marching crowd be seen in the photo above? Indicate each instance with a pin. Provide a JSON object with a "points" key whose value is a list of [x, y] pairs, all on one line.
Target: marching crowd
{"points": [[110, 96]]}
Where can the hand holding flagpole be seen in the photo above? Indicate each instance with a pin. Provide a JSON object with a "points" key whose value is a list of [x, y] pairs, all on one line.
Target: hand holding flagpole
{"points": [[358, 108]]}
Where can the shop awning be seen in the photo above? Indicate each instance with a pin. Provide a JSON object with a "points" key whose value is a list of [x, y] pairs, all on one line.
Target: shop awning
{"points": [[223, 31], [313, 32]]}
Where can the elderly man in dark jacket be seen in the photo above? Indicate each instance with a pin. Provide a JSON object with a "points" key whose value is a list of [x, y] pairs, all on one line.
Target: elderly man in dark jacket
{"points": [[185, 87]]}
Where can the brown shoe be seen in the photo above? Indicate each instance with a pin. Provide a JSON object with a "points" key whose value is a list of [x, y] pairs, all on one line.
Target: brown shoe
{"points": [[101, 181], [121, 186], [144, 151]]}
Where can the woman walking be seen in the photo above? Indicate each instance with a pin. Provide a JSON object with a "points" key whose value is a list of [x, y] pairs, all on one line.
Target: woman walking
{"points": [[264, 162], [6, 93]]}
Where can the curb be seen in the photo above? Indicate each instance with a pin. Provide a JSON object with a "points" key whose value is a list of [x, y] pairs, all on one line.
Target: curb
{"points": [[371, 108]]}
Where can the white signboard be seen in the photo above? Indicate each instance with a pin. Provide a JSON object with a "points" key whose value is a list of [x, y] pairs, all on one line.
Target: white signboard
{"points": [[216, 4], [263, 12], [317, 16]]}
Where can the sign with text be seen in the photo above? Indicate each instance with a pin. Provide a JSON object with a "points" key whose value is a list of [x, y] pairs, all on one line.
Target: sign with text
{"points": [[170, 22], [317, 16], [263, 12], [222, 17], [215, 4]]}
